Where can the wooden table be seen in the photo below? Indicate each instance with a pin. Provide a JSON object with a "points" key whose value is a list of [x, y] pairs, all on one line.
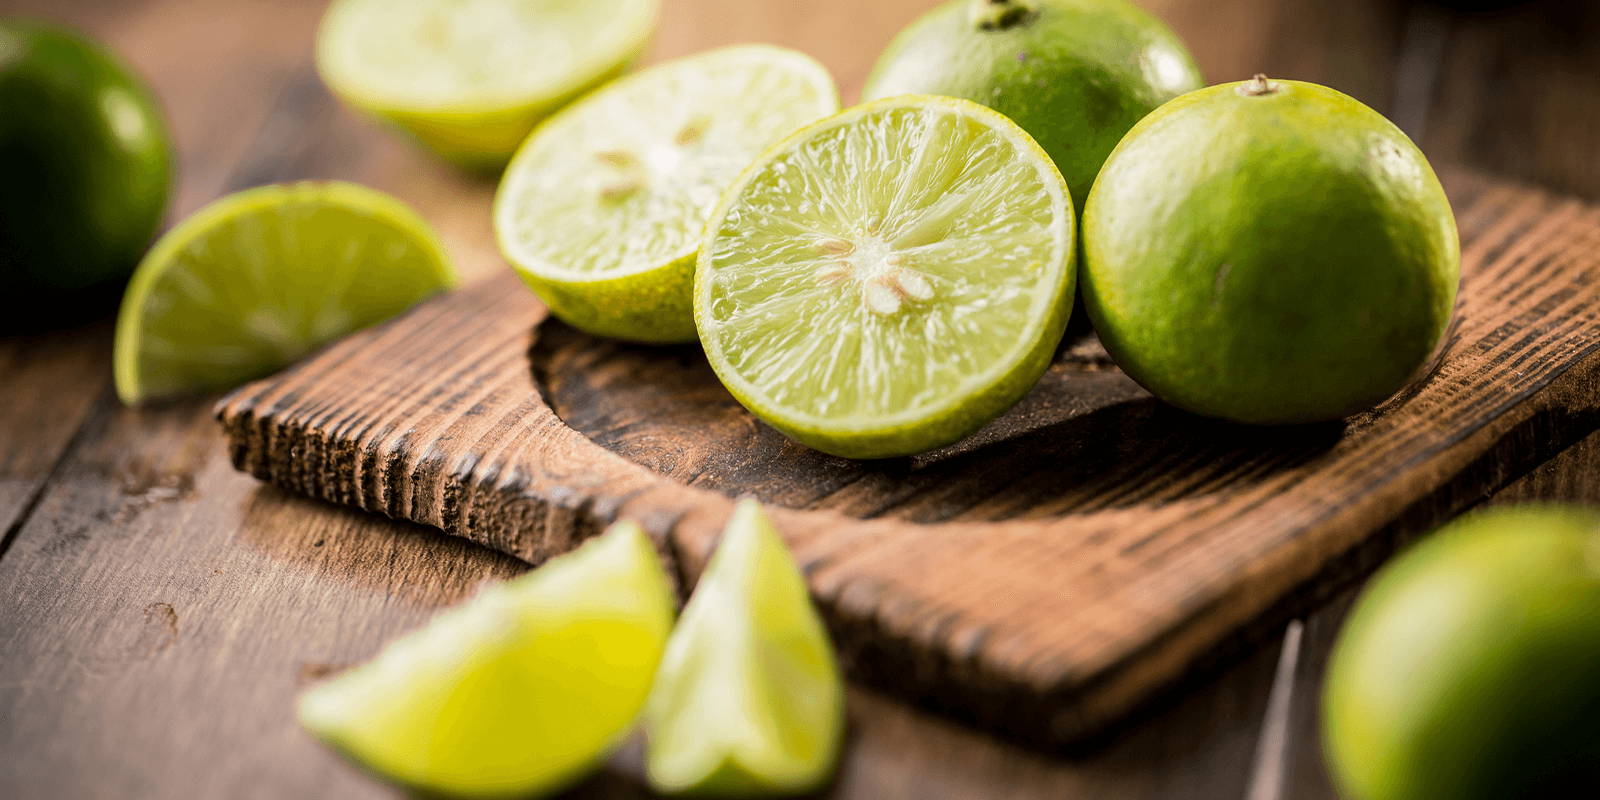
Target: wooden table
{"points": [[160, 610]]}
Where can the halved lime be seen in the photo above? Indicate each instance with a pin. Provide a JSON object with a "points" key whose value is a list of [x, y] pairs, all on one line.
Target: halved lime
{"points": [[888, 280], [470, 78], [748, 699], [259, 278], [518, 691], [601, 210]]}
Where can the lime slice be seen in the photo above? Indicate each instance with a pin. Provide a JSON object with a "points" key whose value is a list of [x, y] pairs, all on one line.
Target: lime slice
{"points": [[258, 279], [748, 699], [471, 77], [518, 691], [601, 210], [889, 279]]}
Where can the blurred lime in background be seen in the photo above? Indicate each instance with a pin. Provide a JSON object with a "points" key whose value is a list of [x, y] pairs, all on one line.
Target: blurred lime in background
{"points": [[258, 279], [1075, 74], [85, 161], [469, 78], [1470, 667]]}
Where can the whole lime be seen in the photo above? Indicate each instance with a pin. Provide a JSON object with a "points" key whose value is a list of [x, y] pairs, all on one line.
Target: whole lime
{"points": [[1470, 667], [1269, 252], [1075, 74], [85, 157]]}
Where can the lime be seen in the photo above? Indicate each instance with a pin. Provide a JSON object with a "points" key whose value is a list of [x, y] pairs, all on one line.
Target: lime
{"points": [[470, 78], [520, 690], [601, 210], [1269, 252], [1075, 74], [85, 159], [259, 278], [748, 700], [889, 279], [1468, 668]]}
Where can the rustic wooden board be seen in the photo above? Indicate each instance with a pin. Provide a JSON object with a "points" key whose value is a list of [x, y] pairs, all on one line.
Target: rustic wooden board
{"points": [[1042, 577]]}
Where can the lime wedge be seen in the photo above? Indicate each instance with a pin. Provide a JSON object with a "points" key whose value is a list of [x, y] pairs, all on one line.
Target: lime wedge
{"points": [[520, 690], [258, 279], [469, 78], [888, 280], [748, 699], [601, 210]]}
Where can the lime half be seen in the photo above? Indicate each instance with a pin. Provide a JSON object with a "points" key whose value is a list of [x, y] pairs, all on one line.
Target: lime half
{"points": [[889, 279], [602, 209], [258, 279], [518, 691], [748, 699], [471, 77]]}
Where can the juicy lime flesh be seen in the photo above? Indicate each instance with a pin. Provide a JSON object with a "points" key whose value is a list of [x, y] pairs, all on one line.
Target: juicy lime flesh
{"points": [[518, 691], [602, 208], [1075, 74], [85, 158], [1467, 668], [1277, 257], [462, 55], [749, 698], [890, 279], [260, 278]]}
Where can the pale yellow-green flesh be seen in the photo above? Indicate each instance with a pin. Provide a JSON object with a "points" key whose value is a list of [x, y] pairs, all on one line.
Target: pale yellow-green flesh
{"points": [[471, 77], [748, 699], [516, 692], [601, 210], [890, 279], [258, 279]]}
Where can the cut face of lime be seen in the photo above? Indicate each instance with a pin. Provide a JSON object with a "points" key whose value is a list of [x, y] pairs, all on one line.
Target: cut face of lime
{"points": [[889, 279], [748, 699], [601, 210], [471, 77], [519, 690], [258, 279]]}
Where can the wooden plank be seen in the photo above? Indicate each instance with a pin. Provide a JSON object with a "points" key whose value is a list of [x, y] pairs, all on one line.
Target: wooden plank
{"points": [[1046, 606]]}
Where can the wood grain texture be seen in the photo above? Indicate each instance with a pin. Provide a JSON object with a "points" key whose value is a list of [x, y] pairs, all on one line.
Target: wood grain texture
{"points": [[1127, 542]]}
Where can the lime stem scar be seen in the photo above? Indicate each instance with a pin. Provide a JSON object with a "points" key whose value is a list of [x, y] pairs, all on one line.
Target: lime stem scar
{"points": [[1258, 86]]}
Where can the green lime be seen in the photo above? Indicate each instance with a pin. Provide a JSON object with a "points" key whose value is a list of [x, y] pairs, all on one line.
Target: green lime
{"points": [[519, 691], [470, 78], [601, 210], [1470, 667], [888, 280], [258, 279], [748, 700], [85, 159], [1075, 74], [1269, 252]]}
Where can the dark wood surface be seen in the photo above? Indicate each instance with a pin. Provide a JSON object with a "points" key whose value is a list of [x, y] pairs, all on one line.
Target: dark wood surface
{"points": [[161, 609], [1043, 577]]}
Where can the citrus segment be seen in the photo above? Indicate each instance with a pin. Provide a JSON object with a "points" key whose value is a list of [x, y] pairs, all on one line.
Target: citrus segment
{"points": [[601, 210], [889, 279], [518, 691], [748, 699], [258, 279]]}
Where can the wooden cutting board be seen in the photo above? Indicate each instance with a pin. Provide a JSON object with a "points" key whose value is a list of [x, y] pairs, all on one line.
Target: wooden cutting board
{"points": [[1042, 578]]}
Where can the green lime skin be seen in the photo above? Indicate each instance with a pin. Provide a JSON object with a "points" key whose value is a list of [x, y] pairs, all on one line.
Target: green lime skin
{"points": [[86, 161], [1470, 667], [1075, 74], [1269, 252]]}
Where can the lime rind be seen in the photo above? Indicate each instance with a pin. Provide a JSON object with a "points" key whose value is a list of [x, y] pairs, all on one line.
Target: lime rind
{"points": [[942, 413], [471, 79], [519, 691], [748, 699], [208, 307], [602, 208]]}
